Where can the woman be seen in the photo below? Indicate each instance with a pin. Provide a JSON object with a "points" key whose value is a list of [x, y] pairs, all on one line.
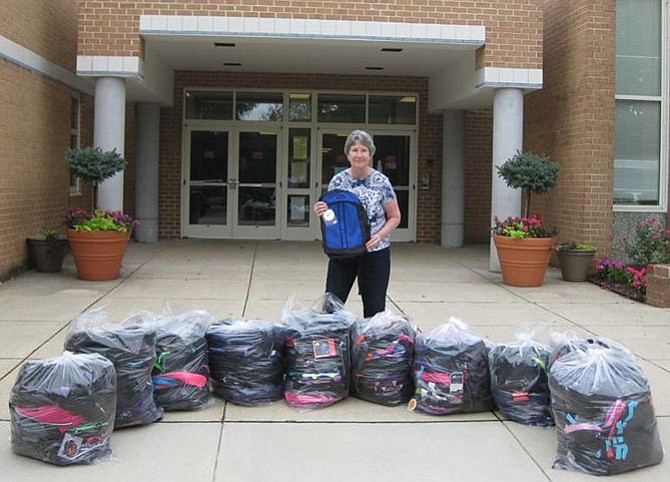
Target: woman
{"points": [[373, 188]]}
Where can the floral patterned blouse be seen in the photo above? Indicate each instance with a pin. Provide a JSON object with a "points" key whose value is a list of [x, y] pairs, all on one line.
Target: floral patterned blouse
{"points": [[374, 191]]}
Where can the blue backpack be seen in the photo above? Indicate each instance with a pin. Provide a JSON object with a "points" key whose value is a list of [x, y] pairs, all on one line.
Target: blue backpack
{"points": [[345, 235]]}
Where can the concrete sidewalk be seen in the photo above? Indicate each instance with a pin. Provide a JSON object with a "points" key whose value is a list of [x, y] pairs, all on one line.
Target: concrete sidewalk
{"points": [[351, 440]]}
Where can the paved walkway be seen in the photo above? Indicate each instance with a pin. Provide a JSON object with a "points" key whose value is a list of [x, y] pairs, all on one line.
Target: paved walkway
{"points": [[351, 440]]}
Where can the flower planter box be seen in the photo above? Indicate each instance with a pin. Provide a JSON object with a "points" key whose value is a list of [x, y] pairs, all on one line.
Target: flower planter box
{"points": [[658, 285], [619, 288]]}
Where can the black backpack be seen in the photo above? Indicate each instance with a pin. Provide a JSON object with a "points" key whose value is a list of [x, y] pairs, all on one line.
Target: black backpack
{"points": [[345, 235]]}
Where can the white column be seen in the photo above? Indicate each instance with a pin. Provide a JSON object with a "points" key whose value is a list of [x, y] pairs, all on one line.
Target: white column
{"points": [[507, 140], [146, 172], [109, 133], [453, 178]]}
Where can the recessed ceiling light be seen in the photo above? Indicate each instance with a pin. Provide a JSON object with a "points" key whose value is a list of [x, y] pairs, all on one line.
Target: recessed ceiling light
{"points": [[223, 44], [374, 68], [232, 64], [391, 49]]}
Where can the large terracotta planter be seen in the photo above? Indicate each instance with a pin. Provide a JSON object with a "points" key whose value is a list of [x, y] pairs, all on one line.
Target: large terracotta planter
{"points": [[98, 254], [524, 261]]}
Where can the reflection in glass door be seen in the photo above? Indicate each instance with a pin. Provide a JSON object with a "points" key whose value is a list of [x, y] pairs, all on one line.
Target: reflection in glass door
{"points": [[255, 185], [231, 184], [333, 158], [206, 203], [393, 158]]}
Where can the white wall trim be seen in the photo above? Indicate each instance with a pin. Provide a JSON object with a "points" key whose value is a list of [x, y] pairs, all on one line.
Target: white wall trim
{"points": [[23, 57], [509, 77], [110, 66], [312, 29]]}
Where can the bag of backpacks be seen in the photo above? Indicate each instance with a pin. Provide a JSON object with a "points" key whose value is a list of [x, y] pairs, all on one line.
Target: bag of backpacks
{"points": [[381, 358], [519, 383], [62, 409], [131, 347], [317, 353], [344, 227], [451, 371], [246, 359], [562, 343], [181, 371], [604, 413]]}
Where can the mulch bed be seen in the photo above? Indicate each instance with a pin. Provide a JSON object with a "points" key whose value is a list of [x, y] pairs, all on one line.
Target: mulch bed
{"points": [[619, 288]]}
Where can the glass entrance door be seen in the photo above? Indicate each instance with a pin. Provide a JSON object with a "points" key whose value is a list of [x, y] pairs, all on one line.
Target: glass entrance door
{"points": [[206, 205], [255, 185], [230, 184]]}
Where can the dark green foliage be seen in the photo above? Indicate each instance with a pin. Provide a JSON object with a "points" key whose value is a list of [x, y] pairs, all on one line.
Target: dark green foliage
{"points": [[529, 171], [93, 165]]}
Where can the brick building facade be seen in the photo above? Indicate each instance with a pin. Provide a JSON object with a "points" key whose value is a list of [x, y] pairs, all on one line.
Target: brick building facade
{"points": [[452, 56]]}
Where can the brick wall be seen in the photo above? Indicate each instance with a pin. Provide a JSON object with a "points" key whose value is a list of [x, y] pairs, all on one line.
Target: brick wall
{"points": [[478, 167], [572, 119], [430, 135], [48, 28], [513, 27], [658, 285], [35, 126]]}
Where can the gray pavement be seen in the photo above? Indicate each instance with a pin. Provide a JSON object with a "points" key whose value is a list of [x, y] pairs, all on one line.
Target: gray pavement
{"points": [[351, 440]]}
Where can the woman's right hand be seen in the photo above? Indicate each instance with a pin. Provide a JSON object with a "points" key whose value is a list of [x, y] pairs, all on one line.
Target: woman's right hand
{"points": [[319, 208]]}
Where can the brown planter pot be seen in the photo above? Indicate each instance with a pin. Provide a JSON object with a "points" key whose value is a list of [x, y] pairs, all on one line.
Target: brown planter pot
{"points": [[524, 261], [98, 254], [47, 256], [575, 263]]}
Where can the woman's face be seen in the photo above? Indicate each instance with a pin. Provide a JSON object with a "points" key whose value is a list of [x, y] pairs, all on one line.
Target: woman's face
{"points": [[359, 155]]}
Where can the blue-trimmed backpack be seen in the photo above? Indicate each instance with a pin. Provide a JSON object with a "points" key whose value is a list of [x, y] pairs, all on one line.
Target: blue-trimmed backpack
{"points": [[345, 235]]}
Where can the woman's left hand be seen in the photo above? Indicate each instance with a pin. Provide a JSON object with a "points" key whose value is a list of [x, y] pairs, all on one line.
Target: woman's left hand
{"points": [[375, 239]]}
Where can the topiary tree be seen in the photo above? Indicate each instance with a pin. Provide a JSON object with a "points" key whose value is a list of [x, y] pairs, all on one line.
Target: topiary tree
{"points": [[93, 165], [531, 173]]}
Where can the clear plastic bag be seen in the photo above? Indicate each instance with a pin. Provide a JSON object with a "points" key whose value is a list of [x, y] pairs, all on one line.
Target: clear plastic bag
{"points": [[519, 383], [562, 343], [317, 352], [604, 413], [181, 371], [131, 347], [382, 353], [62, 409], [451, 371], [246, 359]]}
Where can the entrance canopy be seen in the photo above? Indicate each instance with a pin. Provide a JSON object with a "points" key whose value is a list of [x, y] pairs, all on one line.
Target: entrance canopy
{"points": [[443, 53]]}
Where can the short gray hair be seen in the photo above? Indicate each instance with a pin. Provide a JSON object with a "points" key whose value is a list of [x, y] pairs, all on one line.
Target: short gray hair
{"points": [[362, 137]]}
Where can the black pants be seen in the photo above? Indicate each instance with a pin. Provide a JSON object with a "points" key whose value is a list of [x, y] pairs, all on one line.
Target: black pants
{"points": [[373, 271]]}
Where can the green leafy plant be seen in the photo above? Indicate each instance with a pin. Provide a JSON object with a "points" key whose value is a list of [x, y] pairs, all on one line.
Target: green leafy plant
{"points": [[521, 228], [531, 173], [49, 234], [93, 165], [99, 220], [572, 246]]}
